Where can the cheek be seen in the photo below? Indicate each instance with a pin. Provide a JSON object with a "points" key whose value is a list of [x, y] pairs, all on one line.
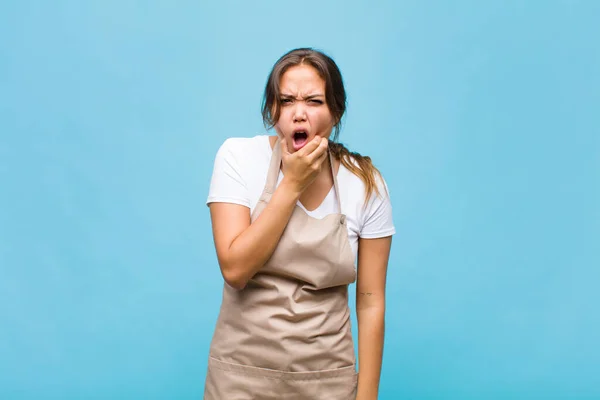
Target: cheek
{"points": [[285, 115], [323, 120], [279, 131]]}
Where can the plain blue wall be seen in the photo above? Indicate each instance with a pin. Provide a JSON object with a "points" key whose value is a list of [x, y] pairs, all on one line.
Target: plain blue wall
{"points": [[483, 117]]}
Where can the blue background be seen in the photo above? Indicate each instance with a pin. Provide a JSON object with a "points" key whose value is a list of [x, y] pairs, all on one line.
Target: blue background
{"points": [[483, 117]]}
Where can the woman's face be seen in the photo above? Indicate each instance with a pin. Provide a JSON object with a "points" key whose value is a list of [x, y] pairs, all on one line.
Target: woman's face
{"points": [[304, 111]]}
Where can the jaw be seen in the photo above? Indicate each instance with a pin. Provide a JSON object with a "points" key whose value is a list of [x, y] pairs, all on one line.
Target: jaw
{"points": [[296, 141]]}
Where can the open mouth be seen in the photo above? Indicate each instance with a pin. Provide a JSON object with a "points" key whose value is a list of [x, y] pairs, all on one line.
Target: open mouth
{"points": [[300, 138]]}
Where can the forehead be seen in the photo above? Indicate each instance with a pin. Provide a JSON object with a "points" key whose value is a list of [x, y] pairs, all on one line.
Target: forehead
{"points": [[301, 78]]}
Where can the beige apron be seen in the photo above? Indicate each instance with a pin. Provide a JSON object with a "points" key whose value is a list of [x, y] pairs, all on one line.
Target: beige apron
{"points": [[287, 334]]}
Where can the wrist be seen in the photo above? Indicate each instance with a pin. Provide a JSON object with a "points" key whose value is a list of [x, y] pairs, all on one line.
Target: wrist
{"points": [[291, 188]]}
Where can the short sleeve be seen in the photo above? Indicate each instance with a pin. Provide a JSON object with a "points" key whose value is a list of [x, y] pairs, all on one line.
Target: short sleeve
{"points": [[378, 221], [227, 184]]}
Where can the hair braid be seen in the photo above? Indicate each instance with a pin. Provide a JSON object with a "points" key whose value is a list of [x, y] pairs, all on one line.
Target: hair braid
{"points": [[365, 169]]}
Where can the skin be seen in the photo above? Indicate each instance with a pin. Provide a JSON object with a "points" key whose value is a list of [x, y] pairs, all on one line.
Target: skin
{"points": [[303, 106], [243, 248], [373, 256]]}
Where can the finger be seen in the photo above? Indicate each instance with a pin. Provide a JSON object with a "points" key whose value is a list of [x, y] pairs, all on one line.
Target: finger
{"points": [[310, 146], [320, 150]]}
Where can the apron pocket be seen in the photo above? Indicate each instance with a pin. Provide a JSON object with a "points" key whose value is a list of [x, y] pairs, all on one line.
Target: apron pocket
{"points": [[234, 381]]}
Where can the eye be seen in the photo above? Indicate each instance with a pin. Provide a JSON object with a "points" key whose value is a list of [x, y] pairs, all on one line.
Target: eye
{"points": [[286, 101], [315, 101]]}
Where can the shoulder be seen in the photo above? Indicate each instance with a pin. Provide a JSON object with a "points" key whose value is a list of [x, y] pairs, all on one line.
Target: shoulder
{"points": [[374, 214], [241, 152], [244, 145], [239, 169], [357, 187]]}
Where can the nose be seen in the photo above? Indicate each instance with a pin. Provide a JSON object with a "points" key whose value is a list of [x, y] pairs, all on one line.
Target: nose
{"points": [[299, 112]]}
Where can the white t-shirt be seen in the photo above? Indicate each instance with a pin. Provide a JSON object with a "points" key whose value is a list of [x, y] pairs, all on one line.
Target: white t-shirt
{"points": [[240, 173]]}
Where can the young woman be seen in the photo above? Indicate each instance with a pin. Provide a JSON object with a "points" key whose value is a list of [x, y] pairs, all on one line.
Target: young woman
{"points": [[292, 216]]}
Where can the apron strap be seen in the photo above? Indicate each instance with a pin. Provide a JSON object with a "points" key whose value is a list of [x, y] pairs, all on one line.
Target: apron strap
{"points": [[335, 181], [275, 166]]}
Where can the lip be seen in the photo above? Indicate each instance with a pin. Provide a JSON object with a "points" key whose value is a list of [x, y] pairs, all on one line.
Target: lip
{"points": [[299, 130], [298, 146]]}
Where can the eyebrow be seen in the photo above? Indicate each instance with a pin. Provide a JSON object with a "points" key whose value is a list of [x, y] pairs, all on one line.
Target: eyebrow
{"points": [[310, 96]]}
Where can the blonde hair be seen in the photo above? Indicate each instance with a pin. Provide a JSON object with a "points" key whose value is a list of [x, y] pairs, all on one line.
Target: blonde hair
{"points": [[359, 165]]}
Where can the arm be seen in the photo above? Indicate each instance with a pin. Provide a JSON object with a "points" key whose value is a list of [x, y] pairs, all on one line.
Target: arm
{"points": [[243, 248], [373, 256]]}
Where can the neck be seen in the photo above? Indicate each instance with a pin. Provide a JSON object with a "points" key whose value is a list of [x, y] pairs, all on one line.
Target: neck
{"points": [[325, 176]]}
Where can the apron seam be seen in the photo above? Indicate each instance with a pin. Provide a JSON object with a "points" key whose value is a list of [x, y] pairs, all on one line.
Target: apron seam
{"points": [[266, 373]]}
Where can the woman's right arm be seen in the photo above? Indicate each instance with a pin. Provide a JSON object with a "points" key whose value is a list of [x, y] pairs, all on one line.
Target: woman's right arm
{"points": [[243, 248]]}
